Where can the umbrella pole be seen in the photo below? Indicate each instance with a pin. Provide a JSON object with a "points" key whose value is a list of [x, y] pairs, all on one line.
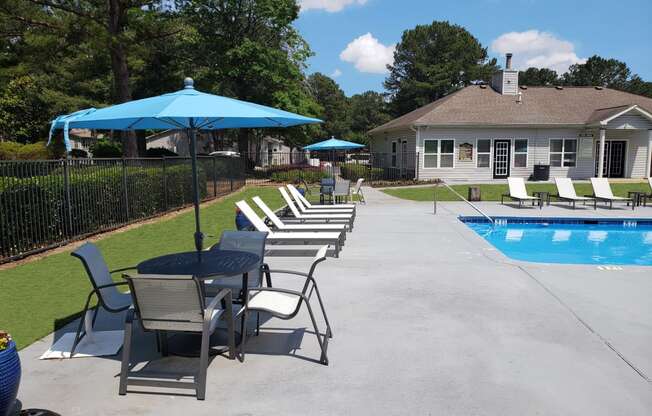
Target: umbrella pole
{"points": [[199, 237]]}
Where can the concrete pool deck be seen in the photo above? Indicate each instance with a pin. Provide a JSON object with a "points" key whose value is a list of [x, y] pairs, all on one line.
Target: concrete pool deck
{"points": [[428, 318]]}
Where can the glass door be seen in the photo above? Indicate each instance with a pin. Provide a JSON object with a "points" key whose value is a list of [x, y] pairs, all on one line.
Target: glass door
{"points": [[502, 150]]}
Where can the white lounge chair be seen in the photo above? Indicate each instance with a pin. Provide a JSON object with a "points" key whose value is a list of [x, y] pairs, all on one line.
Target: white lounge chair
{"points": [[517, 192], [290, 237], [297, 195], [357, 190], [602, 192], [302, 207], [281, 226], [328, 218], [566, 192]]}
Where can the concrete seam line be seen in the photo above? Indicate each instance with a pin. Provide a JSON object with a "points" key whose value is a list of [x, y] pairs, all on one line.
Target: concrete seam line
{"points": [[587, 326]]}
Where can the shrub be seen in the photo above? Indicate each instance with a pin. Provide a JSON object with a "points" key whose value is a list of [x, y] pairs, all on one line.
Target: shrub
{"points": [[159, 152], [78, 154], [353, 171], [308, 174], [17, 151], [106, 149], [9, 150]]}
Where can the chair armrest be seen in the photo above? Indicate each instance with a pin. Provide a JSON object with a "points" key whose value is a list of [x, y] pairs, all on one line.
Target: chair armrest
{"points": [[224, 293], [111, 285], [275, 289], [122, 269], [291, 272]]}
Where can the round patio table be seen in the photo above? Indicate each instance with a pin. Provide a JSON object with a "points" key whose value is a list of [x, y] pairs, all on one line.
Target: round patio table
{"points": [[205, 265]]}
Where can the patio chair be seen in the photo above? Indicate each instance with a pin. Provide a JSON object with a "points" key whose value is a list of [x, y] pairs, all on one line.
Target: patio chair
{"points": [[342, 191], [104, 288], [517, 192], [326, 188], [566, 192], [281, 226], [175, 304], [648, 196], [310, 207], [291, 237], [357, 191], [286, 304], [602, 192], [301, 217]]}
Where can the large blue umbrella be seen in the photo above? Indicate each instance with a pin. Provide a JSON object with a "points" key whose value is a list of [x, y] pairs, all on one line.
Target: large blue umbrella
{"points": [[334, 144], [187, 109]]}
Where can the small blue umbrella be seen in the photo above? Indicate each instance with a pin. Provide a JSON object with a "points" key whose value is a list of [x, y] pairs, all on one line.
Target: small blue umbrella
{"points": [[333, 144], [187, 109]]}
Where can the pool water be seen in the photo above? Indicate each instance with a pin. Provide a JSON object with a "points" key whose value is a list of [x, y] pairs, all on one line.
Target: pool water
{"points": [[569, 241]]}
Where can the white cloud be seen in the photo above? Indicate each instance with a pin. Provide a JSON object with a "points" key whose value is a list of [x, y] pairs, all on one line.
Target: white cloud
{"points": [[537, 49], [367, 54], [336, 73], [330, 6]]}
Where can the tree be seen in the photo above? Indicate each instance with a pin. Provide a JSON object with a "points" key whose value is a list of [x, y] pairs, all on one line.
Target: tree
{"points": [[536, 77], [331, 98], [433, 60], [23, 115], [368, 110], [637, 86], [596, 70]]}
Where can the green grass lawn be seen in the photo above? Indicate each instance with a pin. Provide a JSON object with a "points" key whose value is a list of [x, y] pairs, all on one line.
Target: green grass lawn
{"points": [[492, 192], [38, 297]]}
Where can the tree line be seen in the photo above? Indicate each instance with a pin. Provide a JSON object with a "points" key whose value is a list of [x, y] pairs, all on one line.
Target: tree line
{"points": [[58, 56]]}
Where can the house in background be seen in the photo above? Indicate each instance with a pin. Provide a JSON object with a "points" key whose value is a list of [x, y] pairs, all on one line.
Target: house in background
{"points": [[485, 132], [177, 141], [272, 151]]}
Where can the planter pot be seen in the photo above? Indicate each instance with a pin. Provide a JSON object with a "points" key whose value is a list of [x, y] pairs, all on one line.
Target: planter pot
{"points": [[9, 378]]}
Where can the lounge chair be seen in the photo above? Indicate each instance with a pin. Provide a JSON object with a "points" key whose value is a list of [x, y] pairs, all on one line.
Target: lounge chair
{"points": [[566, 192], [357, 190], [286, 304], [602, 192], [281, 226], [168, 303], [304, 209], [297, 195], [292, 238], [328, 218], [517, 192], [648, 196]]}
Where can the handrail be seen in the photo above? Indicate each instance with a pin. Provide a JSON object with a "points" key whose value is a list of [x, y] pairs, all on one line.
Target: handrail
{"points": [[463, 199]]}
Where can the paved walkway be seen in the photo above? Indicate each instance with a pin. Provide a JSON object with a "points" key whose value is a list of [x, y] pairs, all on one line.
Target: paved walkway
{"points": [[427, 319]]}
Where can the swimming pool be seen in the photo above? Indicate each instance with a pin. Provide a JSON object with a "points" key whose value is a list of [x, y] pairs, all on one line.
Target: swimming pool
{"points": [[569, 240]]}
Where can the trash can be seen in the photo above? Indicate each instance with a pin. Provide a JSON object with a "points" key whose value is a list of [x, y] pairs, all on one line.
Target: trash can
{"points": [[541, 172], [474, 194]]}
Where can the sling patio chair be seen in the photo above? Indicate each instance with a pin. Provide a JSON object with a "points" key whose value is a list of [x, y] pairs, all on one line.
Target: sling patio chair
{"points": [[602, 192], [357, 191], [517, 192], [566, 192], [305, 210], [297, 195], [335, 239], [342, 191], [327, 218], [281, 226], [286, 304], [170, 303], [108, 296]]}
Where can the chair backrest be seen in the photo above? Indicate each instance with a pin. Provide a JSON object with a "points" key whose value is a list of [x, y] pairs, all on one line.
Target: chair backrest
{"points": [[517, 187], [601, 188], [565, 188], [343, 187], [98, 273], [319, 257], [247, 241], [358, 185], [297, 195], [269, 213], [328, 182], [168, 302], [251, 215], [289, 202]]}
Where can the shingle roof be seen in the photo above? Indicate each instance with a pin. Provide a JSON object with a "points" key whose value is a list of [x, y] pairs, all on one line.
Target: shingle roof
{"points": [[540, 106]]}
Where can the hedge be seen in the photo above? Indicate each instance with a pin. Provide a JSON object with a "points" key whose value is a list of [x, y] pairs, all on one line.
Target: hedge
{"points": [[353, 171], [308, 174]]}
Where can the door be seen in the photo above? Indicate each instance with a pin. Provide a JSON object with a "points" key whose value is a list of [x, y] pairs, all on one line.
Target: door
{"points": [[615, 152], [502, 153]]}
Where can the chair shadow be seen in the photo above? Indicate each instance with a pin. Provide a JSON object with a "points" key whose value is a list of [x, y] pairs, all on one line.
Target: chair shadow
{"points": [[279, 341]]}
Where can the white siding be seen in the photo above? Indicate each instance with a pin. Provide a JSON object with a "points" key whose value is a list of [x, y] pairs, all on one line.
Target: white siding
{"points": [[631, 120], [637, 149]]}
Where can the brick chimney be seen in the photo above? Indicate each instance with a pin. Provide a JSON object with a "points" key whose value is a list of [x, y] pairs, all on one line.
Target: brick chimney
{"points": [[505, 81]]}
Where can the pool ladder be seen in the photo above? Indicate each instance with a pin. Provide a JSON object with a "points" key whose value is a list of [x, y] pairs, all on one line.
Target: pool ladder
{"points": [[630, 224], [491, 220]]}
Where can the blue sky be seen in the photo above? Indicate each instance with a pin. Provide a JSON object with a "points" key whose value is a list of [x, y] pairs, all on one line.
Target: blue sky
{"points": [[353, 39]]}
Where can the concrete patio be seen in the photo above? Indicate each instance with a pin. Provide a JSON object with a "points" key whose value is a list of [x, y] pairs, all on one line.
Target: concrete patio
{"points": [[427, 318]]}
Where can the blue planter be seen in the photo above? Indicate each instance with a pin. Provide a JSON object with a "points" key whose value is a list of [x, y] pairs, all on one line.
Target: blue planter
{"points": [[9, 378]]}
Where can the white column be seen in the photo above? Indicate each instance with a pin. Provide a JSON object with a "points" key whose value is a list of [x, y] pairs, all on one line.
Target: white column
{"points": [[603, 136], [649, 154]]}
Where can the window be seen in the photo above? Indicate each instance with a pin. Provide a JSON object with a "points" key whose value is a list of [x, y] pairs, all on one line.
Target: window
{"points": [[563, 152], [484, 153], [438, 153], [520, 153], [394, 154]]}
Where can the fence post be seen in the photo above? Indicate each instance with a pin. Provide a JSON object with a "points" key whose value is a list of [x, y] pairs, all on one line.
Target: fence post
{"points": [[417, 164], [165, 185], [214, 178], [124, 185], [435, 198], [68, 199]]}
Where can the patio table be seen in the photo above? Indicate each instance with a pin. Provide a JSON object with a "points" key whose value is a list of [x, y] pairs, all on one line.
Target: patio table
{"points": [[205, 265]]}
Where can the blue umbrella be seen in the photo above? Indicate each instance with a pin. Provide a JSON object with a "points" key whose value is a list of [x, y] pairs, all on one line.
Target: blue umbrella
{"points": [[187, 109], [334, 144]]}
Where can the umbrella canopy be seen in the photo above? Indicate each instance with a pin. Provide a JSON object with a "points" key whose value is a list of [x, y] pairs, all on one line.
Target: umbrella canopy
{"points": [[187, 109], [333, 144]]}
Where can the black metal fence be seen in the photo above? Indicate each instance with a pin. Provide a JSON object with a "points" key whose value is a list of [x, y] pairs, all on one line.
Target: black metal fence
{"points": [[47, 203]]}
